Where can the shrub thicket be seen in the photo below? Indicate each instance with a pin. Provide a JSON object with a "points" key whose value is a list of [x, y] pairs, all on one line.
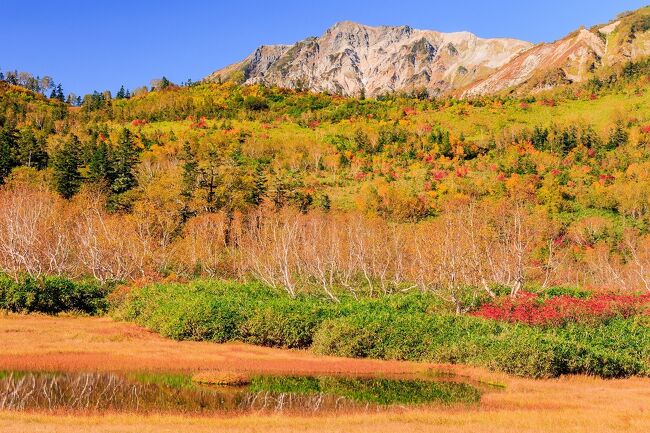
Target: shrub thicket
{"points": [[52, 295], [402, 327]]}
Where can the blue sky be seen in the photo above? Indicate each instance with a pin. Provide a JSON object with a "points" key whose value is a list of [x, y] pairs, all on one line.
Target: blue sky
{"points": [[101, 44]]}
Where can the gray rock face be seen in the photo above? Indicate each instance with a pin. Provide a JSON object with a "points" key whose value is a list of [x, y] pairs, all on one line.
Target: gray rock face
{"points": [[351, 59]]}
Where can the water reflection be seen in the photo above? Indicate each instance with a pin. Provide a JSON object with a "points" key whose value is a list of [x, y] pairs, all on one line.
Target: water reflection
{"points": [[148, 393]]}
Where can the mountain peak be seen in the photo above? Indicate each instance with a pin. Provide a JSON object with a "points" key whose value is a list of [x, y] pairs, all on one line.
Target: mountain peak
{"points": [[352, 58]]}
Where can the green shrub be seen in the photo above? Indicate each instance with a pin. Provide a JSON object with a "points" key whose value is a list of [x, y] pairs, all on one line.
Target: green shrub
{"points": [[52, 295], [403, 327], [284, 322]]}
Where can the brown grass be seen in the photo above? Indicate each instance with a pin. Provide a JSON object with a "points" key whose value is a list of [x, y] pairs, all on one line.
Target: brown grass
{"points": [[568, 404], [221, 378]]}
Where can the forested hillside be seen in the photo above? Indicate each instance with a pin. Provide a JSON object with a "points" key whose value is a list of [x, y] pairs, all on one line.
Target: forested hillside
{"points": [[310, 191]]}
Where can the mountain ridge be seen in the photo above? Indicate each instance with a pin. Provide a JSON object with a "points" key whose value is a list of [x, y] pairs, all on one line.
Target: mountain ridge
{"points": [[354, 59]]}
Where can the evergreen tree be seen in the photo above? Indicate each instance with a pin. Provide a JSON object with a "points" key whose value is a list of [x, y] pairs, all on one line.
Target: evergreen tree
{"points": [[618, 137], [324, 202], [589, 138], [361, 141], [259, 186], [190, 181], [59, 93], [66, 163], [99, 166], [121, 94], [445, 145], [7, 153], [280, 192], [125, 158], [30, 150]]}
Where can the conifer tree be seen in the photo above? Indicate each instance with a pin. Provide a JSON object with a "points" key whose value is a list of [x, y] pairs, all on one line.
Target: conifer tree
{"points": [[7, 153], [125, 158], [30, 150], [618, 136], [66, 163], [99, 166], [259, 186], [59, 93], [190, 181]]}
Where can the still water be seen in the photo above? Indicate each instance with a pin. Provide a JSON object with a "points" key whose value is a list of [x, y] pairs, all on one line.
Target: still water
{"points": [[176, 393]]}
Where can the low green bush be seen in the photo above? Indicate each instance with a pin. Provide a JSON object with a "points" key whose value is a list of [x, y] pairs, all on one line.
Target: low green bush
{"points": [[52, 295], [618, 349], [285, 322], [402, 327]]}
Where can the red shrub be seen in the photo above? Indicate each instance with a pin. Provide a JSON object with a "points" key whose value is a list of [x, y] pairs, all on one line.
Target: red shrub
{"points": [[528, 308], [439, 175], [462, 171], [201, 124]]}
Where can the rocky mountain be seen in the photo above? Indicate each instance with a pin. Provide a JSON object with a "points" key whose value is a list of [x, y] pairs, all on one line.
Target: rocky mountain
{"points": [[574, 58], [354, 59], [351, 59]]}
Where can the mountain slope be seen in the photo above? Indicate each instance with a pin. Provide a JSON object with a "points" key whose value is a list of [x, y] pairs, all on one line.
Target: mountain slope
{"points": [[351, 59], [574, 58], [354, 59]]}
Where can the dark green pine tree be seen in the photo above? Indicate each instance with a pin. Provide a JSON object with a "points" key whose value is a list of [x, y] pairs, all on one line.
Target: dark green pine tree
{"points": [[31, 150], [125, 158], [59, 93], [190, 181], [100, 170], [259, 186], [66, 163], [7, 153], [121, 94], [618, 136], [324, 202], [280, 192]]}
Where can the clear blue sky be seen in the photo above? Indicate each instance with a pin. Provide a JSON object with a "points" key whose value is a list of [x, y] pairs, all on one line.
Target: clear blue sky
{"points": [[100, 44]]}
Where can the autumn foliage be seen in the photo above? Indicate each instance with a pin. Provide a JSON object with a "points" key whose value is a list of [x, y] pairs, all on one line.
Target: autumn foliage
{"points": [[556, 311]]}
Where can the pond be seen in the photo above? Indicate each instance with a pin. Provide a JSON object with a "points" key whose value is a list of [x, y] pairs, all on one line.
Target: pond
{"points": [[177, 393]]}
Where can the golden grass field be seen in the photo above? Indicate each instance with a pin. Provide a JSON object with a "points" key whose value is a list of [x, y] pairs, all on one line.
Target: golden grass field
{"points": [[568, 404]]}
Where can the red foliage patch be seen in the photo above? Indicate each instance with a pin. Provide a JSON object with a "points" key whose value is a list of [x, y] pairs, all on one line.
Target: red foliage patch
{"points": [[138, 122], [462, 171], [548, 102], [409, 111], [360, 176], [528, 308], [439, 175], [201, 124]]}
